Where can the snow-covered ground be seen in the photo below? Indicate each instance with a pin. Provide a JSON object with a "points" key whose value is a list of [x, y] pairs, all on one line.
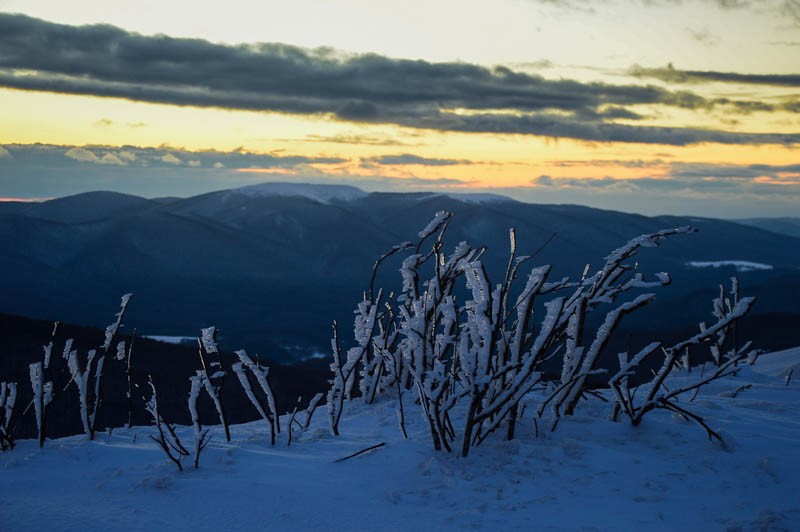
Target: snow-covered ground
{"points": [[588, 474], [321, 193]]}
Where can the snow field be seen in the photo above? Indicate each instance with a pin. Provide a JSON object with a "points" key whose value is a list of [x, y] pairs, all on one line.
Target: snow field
{"points": [[589, 473]]}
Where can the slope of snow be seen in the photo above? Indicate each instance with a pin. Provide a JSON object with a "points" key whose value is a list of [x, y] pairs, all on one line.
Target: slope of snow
{"points": [[320, 193], [588, 474], [779, 363], [481, 198], [740, 265]]}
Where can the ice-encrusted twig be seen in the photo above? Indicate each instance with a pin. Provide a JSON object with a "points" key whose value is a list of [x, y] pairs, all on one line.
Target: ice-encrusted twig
{"points": [[362, 451], [167, 439], [201, 437], [113, 329], [8, 399], [724, 365], [81, 379], [42, 397], [214, 373], [309, 413], [268, 412]]}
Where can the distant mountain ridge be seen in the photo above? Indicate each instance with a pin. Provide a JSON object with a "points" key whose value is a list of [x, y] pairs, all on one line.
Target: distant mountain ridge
{"points": [[276, 263], [785, 226]]}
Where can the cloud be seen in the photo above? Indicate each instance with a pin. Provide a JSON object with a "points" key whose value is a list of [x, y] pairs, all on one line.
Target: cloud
{"points": [[356, 139], [693, 179], [47, 170], [161, 157], [170, 159], [87, 156], [83, 155], [703, 36], [598, 163], [787, 9], [559, 126], [112, 158], [754, 172], [408, 158], [670, 74], [104, 122], [791, 10], [103, 60], [127, 156]]}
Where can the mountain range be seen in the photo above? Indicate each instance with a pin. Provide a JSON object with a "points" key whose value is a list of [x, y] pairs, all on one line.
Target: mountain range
{"points": [[273, 264]]}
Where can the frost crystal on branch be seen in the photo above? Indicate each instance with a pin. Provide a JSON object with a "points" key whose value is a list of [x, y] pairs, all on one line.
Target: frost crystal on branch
{"points": [[208, 337], [213, 384], [113, 329], [81, 379], [268, 412], [167, 438], [487, 353], [42, 396], [8, 400]]}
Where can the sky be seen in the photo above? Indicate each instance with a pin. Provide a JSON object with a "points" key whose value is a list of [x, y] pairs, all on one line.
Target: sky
{"points": [[650, 106]]}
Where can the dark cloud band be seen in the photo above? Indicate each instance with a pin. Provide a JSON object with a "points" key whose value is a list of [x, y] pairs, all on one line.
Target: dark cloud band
{"points": [[670, 74], [103, 60]]}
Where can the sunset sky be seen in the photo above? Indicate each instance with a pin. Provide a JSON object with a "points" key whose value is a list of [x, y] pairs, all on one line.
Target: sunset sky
{"points": [[652, 106]]}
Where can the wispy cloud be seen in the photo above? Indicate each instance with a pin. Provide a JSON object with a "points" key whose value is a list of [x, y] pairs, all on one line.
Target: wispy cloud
{"points": [[695, 179], [108, 61], [703, 36], [670, 74], [602, 163], [165, 156], [353, 139], [410, 159], [786, 9], [47, 170]]}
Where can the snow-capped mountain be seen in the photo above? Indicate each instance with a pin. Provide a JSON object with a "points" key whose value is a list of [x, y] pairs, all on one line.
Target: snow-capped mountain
{"points": [[321, 193]]}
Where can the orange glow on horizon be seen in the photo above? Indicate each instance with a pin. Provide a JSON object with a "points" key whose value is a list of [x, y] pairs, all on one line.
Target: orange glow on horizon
{"points": [[23, 200]]}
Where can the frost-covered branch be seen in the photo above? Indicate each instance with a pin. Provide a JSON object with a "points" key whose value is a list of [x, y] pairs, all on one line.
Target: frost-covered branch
{"points": [[724, 364], [213, 373], [266, 409], [487, 353], [111, 333], [8, 400], [201, 437], [80, 376], [167, 438], [42, 396]]}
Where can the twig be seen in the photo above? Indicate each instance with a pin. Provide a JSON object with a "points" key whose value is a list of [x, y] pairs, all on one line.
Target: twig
{"points": [[362, 451]]}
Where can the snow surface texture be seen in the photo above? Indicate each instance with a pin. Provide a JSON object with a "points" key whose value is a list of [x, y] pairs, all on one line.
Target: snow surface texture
{"points": [[478, 198], [740, 265], [779, 363], [588, 474], [320, 193], [328, 194]]}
